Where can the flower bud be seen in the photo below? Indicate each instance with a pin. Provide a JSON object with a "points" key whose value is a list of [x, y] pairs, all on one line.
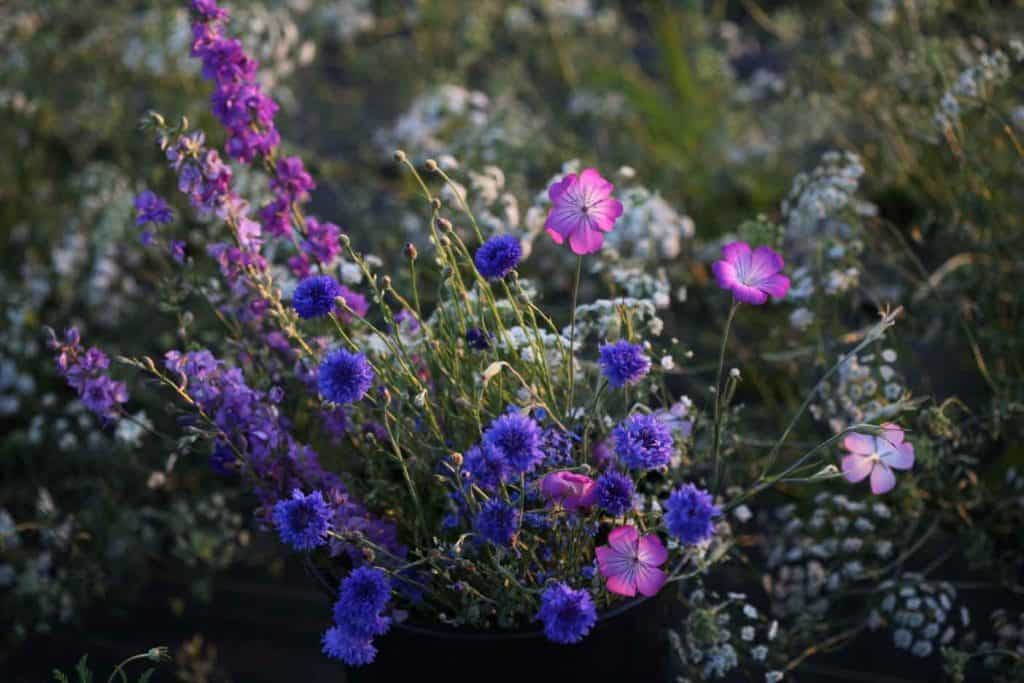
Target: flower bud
{"points": [[410, 250], [435, 202], [399, 156], [444, 224], [431, 165], [456, 459]]}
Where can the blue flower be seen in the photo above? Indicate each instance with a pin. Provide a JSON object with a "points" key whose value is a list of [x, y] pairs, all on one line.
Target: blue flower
{"points": [[643, 442], [303, 521], [615, 493], [519, 438], [478, 339], [567, 614], [623, 363], [497, 521], [487, 465], [344, 377], [364, 594], [150, 208], [498, 256], [688, 514], [354, 650], [314, 297]]}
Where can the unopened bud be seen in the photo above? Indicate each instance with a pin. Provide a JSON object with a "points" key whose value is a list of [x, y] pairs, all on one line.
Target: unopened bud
{"points": [[410, 250], [431, 165], [444, 224], [436, 203], [456, 459], [399, 155]]}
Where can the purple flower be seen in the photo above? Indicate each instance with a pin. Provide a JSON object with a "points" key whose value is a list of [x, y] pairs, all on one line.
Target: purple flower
{"points": [[498, 256], [689, 512], [339, 643], [623, 363], [497, 522], [631, 562], [478, 339], [355, 301], [292, 181], [751, 275], [572, 491], [150, 208], [643, 442], [877, 456], [102, 395], [487, 465], [363, 596], [567, 614], [177, 249], [344, 377], [518, 438], [303, 520], [314, 297], [583, 210], [602, 455], [322, 241], [615, 493]]}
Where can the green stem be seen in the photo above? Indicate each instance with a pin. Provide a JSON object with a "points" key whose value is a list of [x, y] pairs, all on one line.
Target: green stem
{"points": [[716, 439], [572, 338]]}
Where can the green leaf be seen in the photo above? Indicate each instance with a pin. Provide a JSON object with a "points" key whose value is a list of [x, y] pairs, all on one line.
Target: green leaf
{"points": [[146, 675]]}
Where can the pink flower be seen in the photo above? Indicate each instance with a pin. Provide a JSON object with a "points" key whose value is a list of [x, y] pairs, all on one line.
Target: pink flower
{"points": [[877, 456], [630, 562], [750, 275], [573, 491], [583, 210]]}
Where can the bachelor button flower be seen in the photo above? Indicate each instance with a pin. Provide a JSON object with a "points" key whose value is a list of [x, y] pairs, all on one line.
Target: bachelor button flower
{"points": [[339, 643], [688, 514], [363, 596], [583, 210], [567, 614], [631, 562], [344, 377], [751, 275], [497, 521], [623, 363], [498, 256], [487, 465], [643, 442], [150, 208], [477, 339], [615, 493], [314, 296], [877, 456], [517, 437], [303, 521], [573, 491]]}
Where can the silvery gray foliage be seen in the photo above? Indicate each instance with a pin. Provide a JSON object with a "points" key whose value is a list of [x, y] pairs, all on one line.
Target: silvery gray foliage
{"points": [[922, 615], [867, 388]]}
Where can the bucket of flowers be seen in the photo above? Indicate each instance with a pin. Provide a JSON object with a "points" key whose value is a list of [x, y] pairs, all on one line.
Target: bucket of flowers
{"points": [[472, 484]]}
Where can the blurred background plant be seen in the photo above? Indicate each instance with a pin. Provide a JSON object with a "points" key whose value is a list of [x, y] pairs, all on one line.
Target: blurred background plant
{"points": [[879, 142]]}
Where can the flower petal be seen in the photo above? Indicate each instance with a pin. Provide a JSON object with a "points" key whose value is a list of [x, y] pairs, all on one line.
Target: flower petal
{"points": [[892, 433], [856, 467], [585, 240], [777, 285], [651, 551], [882, 479], [649, 580], [734, 251], [624, 539], [748, 295], [901, 457], [859, 443], [593, 184], [621, 586], [557, 188], [764, 262]]}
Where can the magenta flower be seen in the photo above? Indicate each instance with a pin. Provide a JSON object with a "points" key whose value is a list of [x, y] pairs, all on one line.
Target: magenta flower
{"points": [[877, 456], [630, 562], [751, 275], [583, 209], [573, 491]]}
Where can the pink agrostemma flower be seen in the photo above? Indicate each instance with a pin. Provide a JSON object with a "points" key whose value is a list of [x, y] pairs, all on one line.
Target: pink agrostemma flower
{"points": [[631, 562], [877, 456], [751, 275], [583, 211], [573, 491]]}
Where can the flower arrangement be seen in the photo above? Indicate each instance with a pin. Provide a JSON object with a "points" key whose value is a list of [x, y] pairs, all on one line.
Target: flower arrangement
{"points": [[436, 446]]}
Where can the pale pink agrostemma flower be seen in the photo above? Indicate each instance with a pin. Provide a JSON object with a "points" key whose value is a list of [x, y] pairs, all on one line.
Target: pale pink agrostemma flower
{"points": [[631, 562], [583, 211], [877, 457]]}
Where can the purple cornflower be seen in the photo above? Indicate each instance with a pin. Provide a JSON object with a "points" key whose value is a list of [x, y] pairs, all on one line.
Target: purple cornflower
{"points": [[498, 256], [751, 275], [615, 493], [363, 596], [570, 490], [150, 208], [339, 643], [487, 465], [497, 522], [643, 442], [623, 363], [583, 210], [518, 438], [631, 562], [567, 614], [314, 297], [344, 377], [478, 339], [877, 456], [688, 514], [303, 520]]}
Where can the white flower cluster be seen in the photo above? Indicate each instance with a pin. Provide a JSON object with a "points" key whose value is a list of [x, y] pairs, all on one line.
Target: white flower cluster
{"points": [[868, 388], [975, 84], [424, 125], [824, 193]]}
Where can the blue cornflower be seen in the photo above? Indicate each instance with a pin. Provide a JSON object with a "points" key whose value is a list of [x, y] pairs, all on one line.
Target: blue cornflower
{"points": [[497, 521], [150, 208], [519, 438], [314, 297], [623, 363], [615, 493], [643, 442], [688, 514], [478, 339], [498, 256], [487, 465], [344, 377], [364, 594], [567, 614], [354, 650], [302, 521]]}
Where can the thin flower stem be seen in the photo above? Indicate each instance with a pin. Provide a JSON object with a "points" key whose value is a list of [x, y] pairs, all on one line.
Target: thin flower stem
{"points": [[716, 438], [571, 365]]}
